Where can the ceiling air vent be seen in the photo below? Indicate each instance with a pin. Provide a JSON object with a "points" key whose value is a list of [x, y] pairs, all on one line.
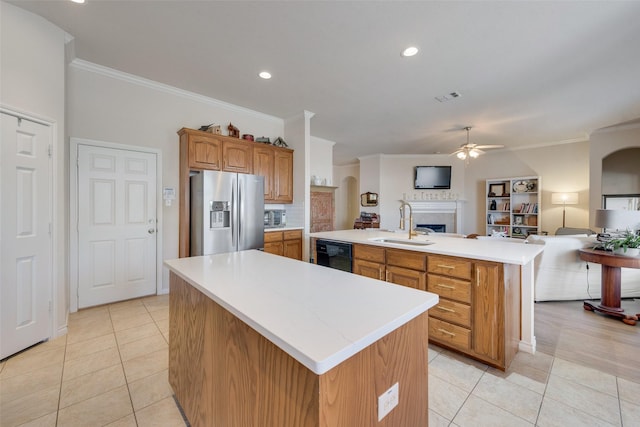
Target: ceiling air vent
{"points": [[448, 97]]}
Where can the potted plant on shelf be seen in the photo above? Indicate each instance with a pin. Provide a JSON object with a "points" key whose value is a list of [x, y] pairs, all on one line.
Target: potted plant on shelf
{"points": [[628, 244]]}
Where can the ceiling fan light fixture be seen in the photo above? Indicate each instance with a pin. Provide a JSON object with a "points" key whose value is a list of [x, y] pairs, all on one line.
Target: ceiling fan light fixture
{"points": [[474, 153], [461, 155]]}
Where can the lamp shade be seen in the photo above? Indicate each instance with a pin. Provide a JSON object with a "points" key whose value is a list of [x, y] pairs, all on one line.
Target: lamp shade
{"points": [[615, 218], [564, 198]]}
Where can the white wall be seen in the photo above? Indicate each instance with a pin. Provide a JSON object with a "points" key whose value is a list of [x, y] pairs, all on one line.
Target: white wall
{"points": [[347, 195], [391, 176], [321, 165], [562, 168], [105, 105], [32, 80]]}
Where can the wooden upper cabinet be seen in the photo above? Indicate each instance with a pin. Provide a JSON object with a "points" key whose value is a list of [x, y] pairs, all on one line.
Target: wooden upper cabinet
{"points": [[237, 156], [283, 176], [264, 165], [204, 150]]}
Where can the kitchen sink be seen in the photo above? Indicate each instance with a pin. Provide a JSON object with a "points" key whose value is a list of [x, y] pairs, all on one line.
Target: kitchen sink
{"points": [[402, 241]]}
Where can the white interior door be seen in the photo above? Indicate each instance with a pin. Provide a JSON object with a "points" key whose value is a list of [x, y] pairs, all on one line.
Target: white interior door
{"points": [[25, 234], [116, 224]]}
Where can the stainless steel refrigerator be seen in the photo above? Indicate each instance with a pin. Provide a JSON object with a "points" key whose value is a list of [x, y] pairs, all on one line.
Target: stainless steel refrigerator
{"points": [[227, 212]]}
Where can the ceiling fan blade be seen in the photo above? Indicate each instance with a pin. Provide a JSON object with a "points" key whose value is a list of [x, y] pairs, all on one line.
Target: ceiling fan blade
{"points": [[489, 146]]}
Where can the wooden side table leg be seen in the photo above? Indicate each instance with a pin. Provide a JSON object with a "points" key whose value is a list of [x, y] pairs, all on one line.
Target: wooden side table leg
{"points": [[610, 289]]}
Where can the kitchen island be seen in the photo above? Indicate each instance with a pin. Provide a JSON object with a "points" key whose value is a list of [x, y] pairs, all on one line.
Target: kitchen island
{"points": [[258, 339], [480, 277]]}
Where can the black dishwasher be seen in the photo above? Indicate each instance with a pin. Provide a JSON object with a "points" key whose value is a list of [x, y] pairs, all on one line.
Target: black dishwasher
{"points": [[334, 254]]}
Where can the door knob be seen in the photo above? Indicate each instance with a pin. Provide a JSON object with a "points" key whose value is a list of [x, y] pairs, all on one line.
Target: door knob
{"points": [[151, 230]]}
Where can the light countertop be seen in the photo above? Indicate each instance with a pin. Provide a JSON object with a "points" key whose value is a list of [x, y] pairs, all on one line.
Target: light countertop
{"points": [[268, 230], [507, 251], [318, 315]]}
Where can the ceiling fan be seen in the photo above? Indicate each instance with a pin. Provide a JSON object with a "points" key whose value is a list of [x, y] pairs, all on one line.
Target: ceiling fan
{"points": [[471, 151]]}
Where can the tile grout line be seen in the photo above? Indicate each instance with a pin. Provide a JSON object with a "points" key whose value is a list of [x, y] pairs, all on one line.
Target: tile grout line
{"points": [[124, 373]]}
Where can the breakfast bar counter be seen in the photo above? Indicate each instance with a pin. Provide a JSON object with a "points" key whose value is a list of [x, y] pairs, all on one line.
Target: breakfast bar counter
{"points": [[258, 339]]}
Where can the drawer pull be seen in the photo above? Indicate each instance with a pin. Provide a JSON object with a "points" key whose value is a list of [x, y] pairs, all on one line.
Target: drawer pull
{"points": [[445, 309], [444, 331], [440, 285], [450, 267]]}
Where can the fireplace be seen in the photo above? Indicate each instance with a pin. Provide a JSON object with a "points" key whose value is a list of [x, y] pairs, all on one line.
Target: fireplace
{"points": [[438, 228], [437, 213]]}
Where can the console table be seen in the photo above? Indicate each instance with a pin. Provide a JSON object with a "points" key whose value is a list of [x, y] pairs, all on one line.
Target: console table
{"points": [[610, 283]]}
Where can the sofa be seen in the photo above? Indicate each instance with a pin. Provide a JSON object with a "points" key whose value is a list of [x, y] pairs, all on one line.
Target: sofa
{"points": [[560, 274]]}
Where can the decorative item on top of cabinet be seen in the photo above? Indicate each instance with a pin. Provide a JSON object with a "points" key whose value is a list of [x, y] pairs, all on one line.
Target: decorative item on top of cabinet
{"points": [[234, 132], [279, 142]]}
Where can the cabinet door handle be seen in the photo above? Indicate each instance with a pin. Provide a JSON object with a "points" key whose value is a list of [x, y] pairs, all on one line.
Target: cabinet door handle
{"points": [[380, 273], [387, 277], [444, 331], [440, 285], [445, 309], [450, 267], [477, 277]]}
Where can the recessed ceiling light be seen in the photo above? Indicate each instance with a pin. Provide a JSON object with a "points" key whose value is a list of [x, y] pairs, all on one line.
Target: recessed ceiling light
{"points": [[78, 1], [410, 51], [265, 75]]}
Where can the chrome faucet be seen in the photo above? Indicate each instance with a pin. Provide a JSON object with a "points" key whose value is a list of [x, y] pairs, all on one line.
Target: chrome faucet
{"points": [[403, 219]]}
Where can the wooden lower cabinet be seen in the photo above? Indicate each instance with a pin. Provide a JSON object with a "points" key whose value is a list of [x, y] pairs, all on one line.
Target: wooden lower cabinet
{"points": [[479, 309], [284, 243], [224, 373]]}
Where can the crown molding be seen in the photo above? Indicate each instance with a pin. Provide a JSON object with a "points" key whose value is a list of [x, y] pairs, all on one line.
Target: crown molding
{"points": [[617, 128], [151, 84]]}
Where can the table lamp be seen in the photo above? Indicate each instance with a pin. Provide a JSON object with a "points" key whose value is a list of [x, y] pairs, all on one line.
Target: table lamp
{"points": [[564, 199]]}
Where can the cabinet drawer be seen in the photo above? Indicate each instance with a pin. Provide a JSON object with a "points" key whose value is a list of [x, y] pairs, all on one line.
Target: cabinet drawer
{"points": [[413, 260], [449, 334], [452, 311], [449, 266], [292, 234], [446, 287], [273, 236], [369, 253]]}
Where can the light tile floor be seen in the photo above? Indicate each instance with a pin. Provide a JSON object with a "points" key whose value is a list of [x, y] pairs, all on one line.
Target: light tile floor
{"points": [[111, 369]]}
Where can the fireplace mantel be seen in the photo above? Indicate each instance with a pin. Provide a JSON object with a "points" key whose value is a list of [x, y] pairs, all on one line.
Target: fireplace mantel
{"points": [[454, 207]]}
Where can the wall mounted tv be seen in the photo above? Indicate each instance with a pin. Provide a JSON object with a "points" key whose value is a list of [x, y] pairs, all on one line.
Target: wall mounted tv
{"points": [[432, 178]]}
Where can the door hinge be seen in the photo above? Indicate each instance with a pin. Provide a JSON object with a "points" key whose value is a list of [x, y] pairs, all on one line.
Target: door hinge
{"points": [[50, 150], [50, 306], [50, 228]]}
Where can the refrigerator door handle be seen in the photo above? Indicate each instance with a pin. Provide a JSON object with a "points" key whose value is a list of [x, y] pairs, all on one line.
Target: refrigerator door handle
{"points": [[240, 214], [234, 216]]}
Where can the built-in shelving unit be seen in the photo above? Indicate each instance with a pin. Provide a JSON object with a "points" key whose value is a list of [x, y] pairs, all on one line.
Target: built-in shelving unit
{"points": [[513, 206]]}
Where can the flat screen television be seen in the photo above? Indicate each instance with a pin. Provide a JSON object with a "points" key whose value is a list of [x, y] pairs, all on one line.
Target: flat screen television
{"points": [[432, 178]]}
